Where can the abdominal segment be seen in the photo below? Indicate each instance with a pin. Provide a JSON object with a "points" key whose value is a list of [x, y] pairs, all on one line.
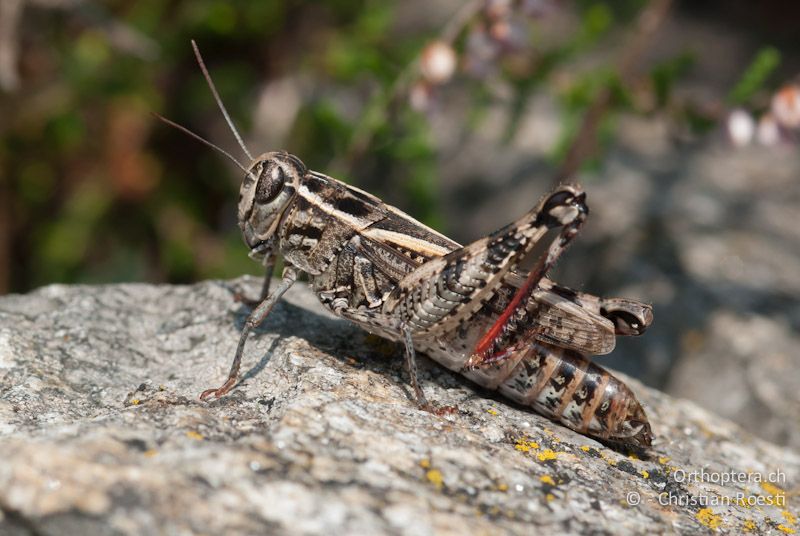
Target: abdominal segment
{"points": [[565, 386]]}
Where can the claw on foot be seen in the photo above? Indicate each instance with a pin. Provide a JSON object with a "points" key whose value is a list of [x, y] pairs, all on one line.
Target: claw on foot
{"points": [[208, 393], [219, 391], [439, 411]]}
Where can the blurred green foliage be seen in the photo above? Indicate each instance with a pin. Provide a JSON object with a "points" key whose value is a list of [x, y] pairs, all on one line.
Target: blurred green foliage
{"points": [[755, 76], [98, 190]]}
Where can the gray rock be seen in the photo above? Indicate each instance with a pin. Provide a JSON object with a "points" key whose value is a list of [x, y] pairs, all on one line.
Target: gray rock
{"points": [[745, 368], [101, 432]]}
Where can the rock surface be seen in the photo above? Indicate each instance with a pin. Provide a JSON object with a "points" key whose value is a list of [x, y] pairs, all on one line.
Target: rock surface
{"points": [[101, 432]]}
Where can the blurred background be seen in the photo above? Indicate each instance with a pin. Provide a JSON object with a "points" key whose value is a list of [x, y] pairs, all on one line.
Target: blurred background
{"points": [[679, 119]]}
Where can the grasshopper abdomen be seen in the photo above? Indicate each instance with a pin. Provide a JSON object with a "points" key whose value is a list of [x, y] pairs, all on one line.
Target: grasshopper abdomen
{"points": [[569, 388]]}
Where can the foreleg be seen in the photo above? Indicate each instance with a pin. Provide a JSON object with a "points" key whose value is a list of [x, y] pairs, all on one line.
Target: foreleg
{"points": [[256, 317]]}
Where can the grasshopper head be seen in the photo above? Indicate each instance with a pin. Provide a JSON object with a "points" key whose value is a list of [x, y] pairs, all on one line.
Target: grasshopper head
{"points": [[266, 192]]}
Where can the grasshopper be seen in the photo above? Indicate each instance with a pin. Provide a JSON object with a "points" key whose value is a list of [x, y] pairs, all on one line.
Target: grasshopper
{"points": [[474, 309]]}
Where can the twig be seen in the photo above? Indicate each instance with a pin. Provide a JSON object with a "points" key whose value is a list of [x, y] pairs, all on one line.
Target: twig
{"points": [[10, 12], [5, 235], [459, 21], [585, 143]]}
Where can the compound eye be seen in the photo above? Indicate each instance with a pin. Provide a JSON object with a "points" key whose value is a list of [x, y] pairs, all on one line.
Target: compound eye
{"points": [[270, 184]]}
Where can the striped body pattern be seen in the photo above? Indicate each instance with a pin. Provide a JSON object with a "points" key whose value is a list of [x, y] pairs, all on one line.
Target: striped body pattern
{"points": [[559, 383], [474, 308]]}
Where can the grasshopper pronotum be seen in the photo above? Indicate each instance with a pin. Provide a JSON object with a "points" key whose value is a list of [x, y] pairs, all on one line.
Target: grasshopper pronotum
{"points": [[471, 308]]}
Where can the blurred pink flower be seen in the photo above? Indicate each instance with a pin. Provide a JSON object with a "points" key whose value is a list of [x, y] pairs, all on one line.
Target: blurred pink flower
{"points": [[768, 131], [438, 62], [786, 106]]}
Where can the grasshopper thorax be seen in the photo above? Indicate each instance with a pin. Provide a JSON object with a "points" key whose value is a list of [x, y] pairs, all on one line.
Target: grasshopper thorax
{"points": [[267, 191]]}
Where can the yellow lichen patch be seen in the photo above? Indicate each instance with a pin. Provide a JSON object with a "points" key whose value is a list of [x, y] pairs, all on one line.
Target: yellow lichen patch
{"points": [[549, 497], [194, 435], [150, 453], [434, 476], [743, 502], [586, 448], [775, 491], [645, 474], [785, 529], [663, 460], [552, 435], [609, 461], [633, 456], [547, 479], [523, 445], [491, 411], [425, 463], [708, 432], [790, 519], [547, 454], [136, 401], [502, 487], [749, 526], [707, 517]]}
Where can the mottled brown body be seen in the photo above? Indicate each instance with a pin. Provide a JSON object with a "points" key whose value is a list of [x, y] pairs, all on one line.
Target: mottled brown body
{"points": [[376, 266], [472, 308]]}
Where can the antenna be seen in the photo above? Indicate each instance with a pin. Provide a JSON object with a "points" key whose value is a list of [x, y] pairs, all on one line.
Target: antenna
{"points": [[219, 100], [201, 139]]}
